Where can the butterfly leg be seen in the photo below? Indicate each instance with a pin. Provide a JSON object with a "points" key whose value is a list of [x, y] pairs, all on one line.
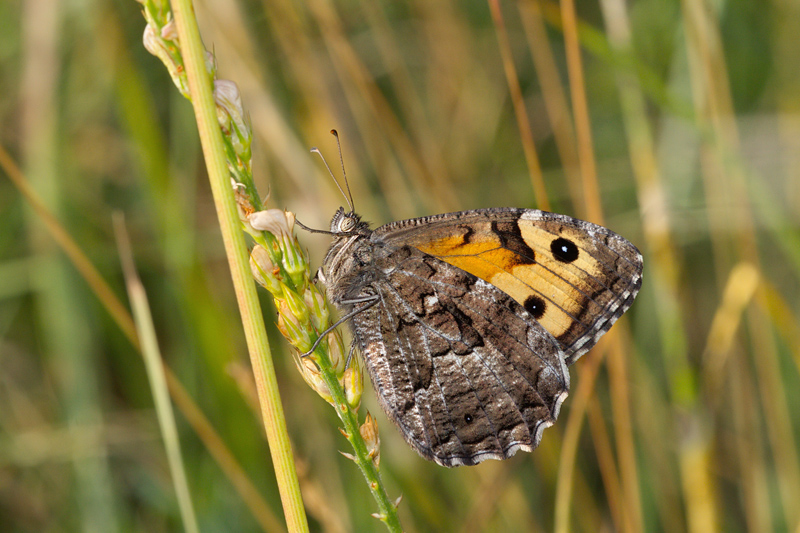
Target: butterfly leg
{"points": [[368, 300], [350, 354]]}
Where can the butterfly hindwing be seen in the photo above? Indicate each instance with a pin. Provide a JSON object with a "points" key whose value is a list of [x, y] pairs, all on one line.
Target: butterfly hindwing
{"points": [[467, 321], [459, 366], [576, 278]]}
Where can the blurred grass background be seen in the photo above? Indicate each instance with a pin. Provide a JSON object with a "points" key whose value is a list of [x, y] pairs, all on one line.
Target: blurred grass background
{"points": [[684, 418]]}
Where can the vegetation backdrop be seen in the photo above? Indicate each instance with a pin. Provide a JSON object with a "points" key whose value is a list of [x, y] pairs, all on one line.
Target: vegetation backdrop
{"points": [[676, 124]]}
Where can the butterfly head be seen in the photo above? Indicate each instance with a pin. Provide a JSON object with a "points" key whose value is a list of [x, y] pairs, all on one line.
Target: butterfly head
{"points": [[344, 223], [343, 266]]}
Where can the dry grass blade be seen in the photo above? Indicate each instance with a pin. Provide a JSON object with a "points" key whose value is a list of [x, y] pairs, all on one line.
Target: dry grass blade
{"points": [[155, 371], [520, 112]]}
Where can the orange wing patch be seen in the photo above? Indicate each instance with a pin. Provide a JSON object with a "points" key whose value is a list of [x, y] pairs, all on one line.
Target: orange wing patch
{"points": [[463, 249], [517, 259]]}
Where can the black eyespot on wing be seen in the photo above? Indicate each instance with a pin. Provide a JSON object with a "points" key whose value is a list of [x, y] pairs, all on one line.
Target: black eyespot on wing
{"points": [[535, 305], [564, 250], [468, 418]]}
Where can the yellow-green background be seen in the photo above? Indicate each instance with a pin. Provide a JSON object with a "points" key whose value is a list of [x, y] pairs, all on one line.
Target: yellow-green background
{"points": [[694, 113]]}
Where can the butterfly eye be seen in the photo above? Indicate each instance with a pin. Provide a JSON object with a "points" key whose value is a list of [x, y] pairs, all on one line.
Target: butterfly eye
{"points": [[347, 224]]}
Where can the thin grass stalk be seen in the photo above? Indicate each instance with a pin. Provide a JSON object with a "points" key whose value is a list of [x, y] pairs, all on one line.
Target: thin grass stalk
{"points": [[291, 31], [601, 442], [620, 393], [593, 509], [784, 45], [650, 188], [199, 86], [555, 101], [750, 470], [595, 42], [418, 120], [520, 111], [782, 317], [580, 111], [656, 424], [786, 323], [569, 447], [155, 374], [623, 427], [697, 484], [740, 289], [780, 435], [362, 93]]}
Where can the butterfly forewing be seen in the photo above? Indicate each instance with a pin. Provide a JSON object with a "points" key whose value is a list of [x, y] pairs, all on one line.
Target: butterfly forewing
{"points": [[575, 278], [458, 365], [467, 321]]}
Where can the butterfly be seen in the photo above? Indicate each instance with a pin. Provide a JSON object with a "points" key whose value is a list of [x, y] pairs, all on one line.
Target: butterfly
{"points": [[467, 321]]}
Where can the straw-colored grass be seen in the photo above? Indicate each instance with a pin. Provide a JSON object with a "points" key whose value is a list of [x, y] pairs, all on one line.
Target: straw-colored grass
{"points": [[674, 124]]}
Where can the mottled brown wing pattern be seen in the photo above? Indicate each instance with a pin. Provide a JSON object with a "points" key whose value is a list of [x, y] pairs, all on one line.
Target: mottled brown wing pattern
{"points": [[574, 277], [461, 368]]}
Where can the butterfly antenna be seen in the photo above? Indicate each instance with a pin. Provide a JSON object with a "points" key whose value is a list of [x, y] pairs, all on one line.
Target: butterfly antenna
{"points": [[344, 174], [315, 150]]}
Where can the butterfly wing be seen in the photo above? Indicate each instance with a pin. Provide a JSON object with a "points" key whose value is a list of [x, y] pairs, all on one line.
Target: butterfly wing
{"points": [[458, 365], [576, 278]]}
